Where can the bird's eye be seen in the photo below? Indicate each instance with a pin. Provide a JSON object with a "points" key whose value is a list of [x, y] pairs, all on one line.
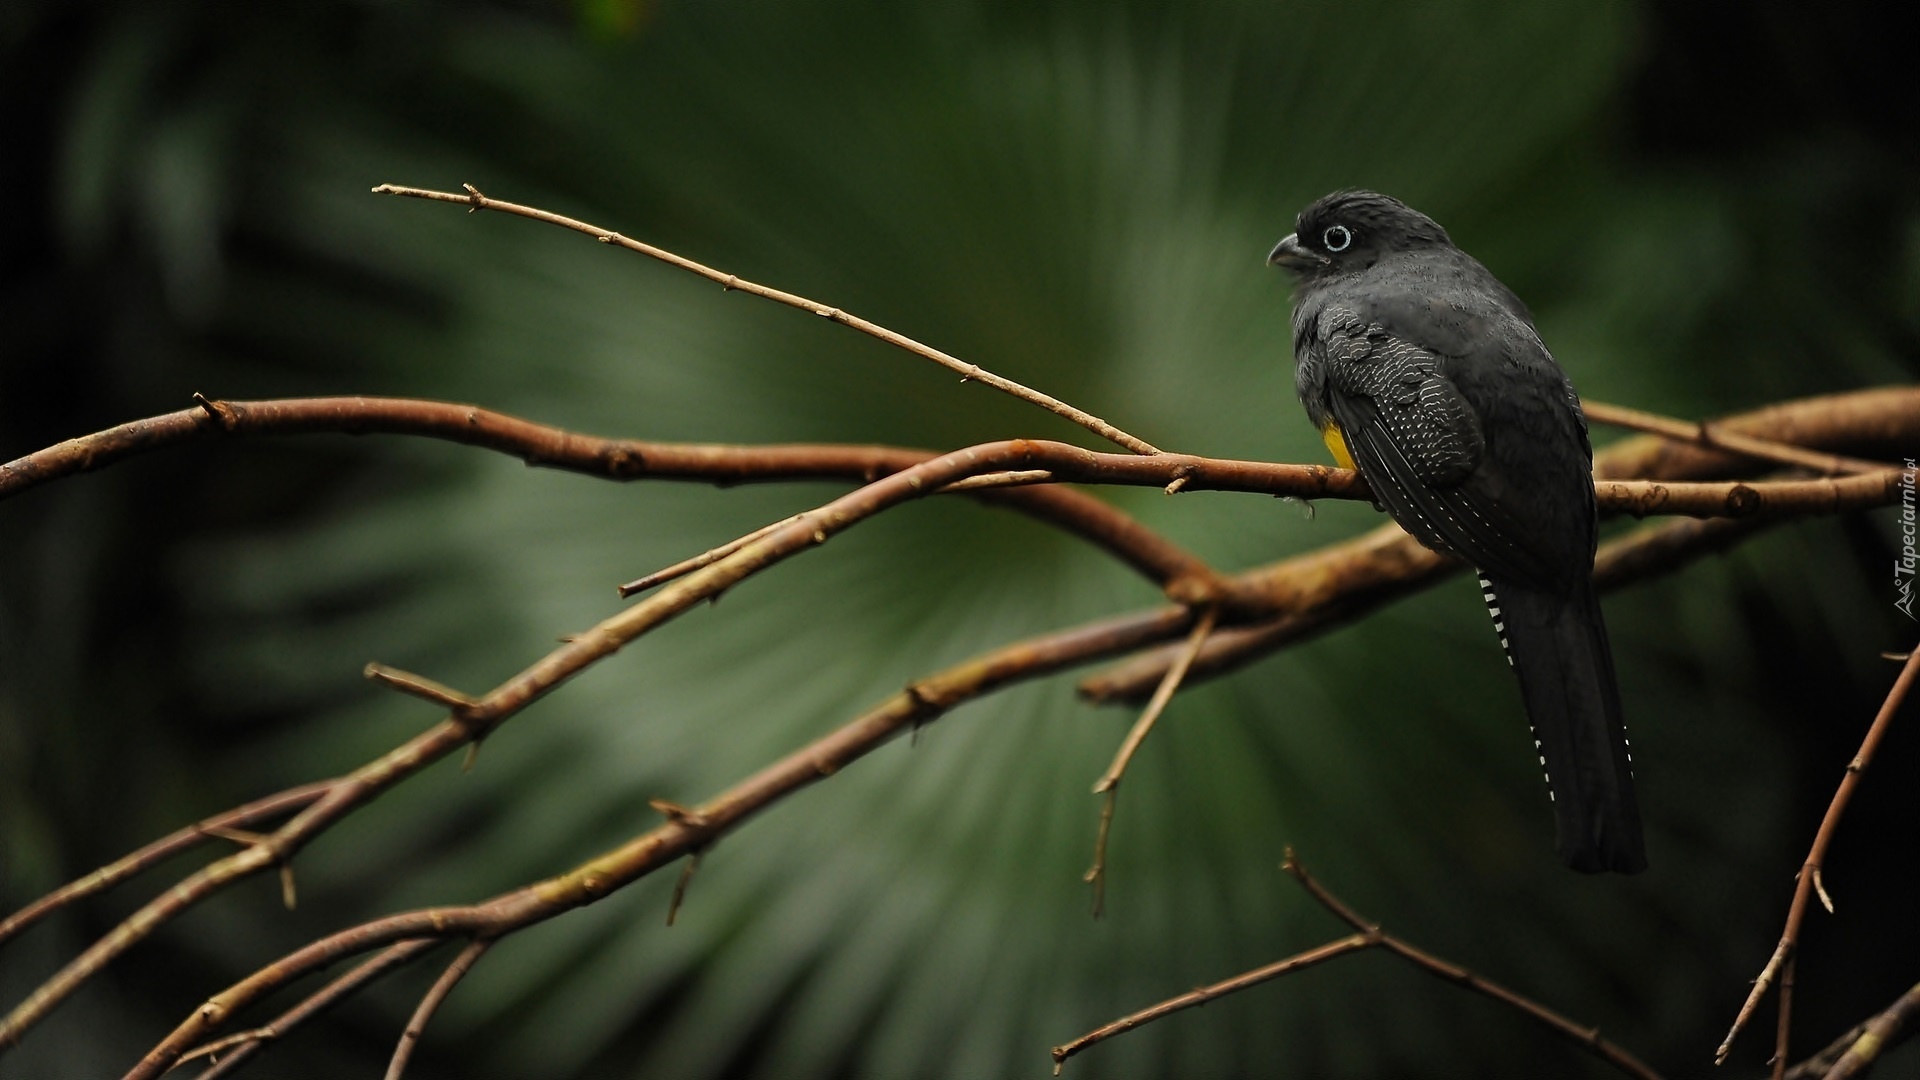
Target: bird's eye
{"points": [[1337, 238]]}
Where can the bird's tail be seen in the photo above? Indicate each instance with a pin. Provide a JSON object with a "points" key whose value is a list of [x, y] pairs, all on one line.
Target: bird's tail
{"points": [[1557, 645]]}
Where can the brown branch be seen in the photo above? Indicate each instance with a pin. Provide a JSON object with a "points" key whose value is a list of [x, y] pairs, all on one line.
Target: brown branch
{"points": [[1370, 936], [1782, 957], [615, 459], [1585, 1037], [248, 1043], [474, 200], [1713, 437], [253, 813], [1109, 783], [1862, 491], [705, 558], [477, 720], [1296, 598], [685, 833], [472, 426], [410, 1038], [921, 703], [1637, 557], [1854, 1053], [1300, 961]]}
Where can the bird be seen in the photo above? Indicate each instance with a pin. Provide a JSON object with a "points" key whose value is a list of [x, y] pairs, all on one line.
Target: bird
{"points": [[1426, 374]]}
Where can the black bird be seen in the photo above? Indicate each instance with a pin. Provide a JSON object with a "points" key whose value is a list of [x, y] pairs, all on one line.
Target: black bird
{"points": [[1425, 373]]}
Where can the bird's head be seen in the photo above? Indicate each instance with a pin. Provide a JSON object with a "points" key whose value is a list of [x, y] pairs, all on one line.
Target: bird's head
{"points": [[1350, 230]]}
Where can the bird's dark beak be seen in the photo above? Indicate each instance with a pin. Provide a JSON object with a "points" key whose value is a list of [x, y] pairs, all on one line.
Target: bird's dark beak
{"points": [[1290, 254]]}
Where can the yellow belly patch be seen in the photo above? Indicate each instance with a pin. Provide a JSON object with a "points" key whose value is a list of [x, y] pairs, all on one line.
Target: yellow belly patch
{"points": [[1337, 443]]}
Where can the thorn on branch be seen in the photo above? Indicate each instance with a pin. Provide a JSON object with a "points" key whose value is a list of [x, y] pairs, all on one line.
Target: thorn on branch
{"points": [[249, 838], [475, 200], [221, 412], [421, 687], [680, 886], [680, 815]]}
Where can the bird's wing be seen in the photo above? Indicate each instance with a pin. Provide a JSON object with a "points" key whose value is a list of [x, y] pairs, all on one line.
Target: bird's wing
{"points": [[1418, 442]]}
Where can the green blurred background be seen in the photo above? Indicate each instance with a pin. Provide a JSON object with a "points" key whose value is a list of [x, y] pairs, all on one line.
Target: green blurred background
{"points": [[1709, 207]]}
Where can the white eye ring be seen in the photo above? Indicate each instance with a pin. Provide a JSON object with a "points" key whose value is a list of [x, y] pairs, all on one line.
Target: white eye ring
{"points": [[1337, 238]]}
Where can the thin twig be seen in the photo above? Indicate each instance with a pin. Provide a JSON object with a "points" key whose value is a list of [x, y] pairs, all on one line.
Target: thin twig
{"points": [[253, 813], [922, 703], [1369, 936], [1715, 437], [474, 200], [442, 986], [319, 1001], [1855, 1052], [1782, 957], [1109, 783], [705, 558], [1585, 1037], [1299, 961]]}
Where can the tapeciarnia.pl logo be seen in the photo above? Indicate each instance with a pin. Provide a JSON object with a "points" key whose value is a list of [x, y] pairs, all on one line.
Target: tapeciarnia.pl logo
{"points": [[1903, 567]]}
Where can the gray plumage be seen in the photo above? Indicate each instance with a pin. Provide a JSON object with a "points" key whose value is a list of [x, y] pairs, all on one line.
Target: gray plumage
{"points": [[1472, 438]]}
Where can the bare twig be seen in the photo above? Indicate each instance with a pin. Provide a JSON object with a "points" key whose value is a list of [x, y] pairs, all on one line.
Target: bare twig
{"points": [[1382, 566], [253, 813], [252, 1042], [429, 1004], [1715, 437], [633, 459], [705, 558], [903, 475], [1782, 958], [1109, 783], [1854, 1053], [1319, 954], [1369, 936], [474, 200], [920, 704]]}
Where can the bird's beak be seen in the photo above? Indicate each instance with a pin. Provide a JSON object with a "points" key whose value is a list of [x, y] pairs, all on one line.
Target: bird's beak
{"points": [[1290, 254]]}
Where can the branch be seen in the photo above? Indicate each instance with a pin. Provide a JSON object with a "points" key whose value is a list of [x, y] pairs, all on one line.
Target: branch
{"points": [[1640, 556], [921, 703], [1853, 1054], [1109, 782], [251, 814], [476, 720], [1307, 594], [1299, 961], [474, 200], [442, 986], [619, 459], [1782, 958], [1370, 936], [248, 1043], [1712, 436]]}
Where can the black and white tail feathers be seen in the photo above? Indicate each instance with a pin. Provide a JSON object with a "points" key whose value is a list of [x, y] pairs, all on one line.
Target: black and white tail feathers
{"points": [[1558, 647]]}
